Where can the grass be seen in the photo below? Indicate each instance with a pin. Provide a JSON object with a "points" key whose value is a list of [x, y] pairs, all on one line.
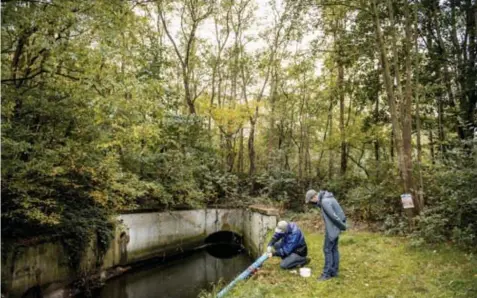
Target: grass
{"points": [[372, 265]]}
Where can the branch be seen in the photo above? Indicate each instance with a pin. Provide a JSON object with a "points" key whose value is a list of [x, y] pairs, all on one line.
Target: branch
{"points": [[345, 4], [25, 78], [182, 22], [68, 76], [189, 43], [358, 164], [161, 15], [98, 91], [199, 94]]}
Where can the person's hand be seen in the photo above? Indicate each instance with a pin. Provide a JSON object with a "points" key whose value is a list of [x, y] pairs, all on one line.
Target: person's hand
{"points": [[270, 250]]}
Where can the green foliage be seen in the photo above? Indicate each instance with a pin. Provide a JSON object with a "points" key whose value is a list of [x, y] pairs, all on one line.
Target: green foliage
{"points": [[282, 187], [374, 198], [451, 212]]}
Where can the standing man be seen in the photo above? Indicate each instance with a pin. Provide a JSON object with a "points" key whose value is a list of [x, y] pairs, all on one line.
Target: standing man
{"points": [[335, 222], [288, 242]]}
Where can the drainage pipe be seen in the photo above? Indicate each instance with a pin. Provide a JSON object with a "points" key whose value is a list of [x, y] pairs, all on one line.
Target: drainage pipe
{"points": [[243, 275]]}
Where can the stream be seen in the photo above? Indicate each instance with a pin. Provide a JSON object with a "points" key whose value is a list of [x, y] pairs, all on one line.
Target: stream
{"points": [[184, 277]]}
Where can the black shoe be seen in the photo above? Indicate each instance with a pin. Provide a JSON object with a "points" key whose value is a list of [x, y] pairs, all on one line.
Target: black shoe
{"points": [[324, 277]]}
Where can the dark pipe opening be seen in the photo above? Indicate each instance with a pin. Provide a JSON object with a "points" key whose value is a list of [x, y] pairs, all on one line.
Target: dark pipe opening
{"points": [[224, 244]]}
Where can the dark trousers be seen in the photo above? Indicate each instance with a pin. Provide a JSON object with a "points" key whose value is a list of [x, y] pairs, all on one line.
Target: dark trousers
{"points": [[292, 260], [332, 257]]}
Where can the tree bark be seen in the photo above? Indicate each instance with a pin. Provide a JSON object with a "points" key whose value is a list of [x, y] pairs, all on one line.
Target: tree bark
{"points": [[406, 113], [330, 150], [396, 132], [328, 120], [431, 146], [340, 82], [251, 148], [376, 120], [240, 155], [391, 145]]}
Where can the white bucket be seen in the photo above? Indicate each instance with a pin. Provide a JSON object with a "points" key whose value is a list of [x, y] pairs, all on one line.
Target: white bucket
{"points": [[305, 272]]}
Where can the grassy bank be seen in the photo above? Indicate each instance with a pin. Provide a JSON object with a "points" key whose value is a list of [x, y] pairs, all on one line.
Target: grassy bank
{"points": [[372, 265]]}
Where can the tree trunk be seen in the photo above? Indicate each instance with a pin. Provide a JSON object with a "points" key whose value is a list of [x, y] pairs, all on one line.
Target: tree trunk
{"points": [[330, 150], [440, 125], [211, 99], [328, 120], [230, 153], [418, 132], [307, 152], [418, 115], [271, 130], [376, 120], [188, 97], [391, 145], [251, 147], [183, 59], [468, 106], [396, 132], [407, 113], [240, 155], [402, 138], [431, 146], [343, 163], [301, 140]]}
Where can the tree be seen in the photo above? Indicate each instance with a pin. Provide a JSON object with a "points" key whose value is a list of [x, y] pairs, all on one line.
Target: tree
{"points": [[192, 13], [401, 120]]}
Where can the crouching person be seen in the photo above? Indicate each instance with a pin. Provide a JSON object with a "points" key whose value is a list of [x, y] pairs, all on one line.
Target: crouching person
{"points": [[288, 243]]}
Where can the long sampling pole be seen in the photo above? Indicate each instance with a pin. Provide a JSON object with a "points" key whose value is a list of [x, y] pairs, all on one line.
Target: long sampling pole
{"points": [[243, 275]]}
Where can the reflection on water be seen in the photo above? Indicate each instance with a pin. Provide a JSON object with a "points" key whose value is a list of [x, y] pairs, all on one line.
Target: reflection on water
{"points": [[183, 278]]}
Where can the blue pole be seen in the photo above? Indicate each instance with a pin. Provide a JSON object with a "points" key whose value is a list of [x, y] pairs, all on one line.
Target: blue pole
{"points": [[243, 275]]}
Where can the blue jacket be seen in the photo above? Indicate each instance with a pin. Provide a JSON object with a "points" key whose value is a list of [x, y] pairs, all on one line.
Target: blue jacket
{"points": [[293, 240], [333, 215]]}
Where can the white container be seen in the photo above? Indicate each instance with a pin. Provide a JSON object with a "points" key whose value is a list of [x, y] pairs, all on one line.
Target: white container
{"points": [[305, 272]]}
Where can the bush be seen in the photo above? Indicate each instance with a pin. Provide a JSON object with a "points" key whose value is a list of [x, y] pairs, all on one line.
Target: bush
{"points": [[282, 187], [451, 205], [370, 198]]}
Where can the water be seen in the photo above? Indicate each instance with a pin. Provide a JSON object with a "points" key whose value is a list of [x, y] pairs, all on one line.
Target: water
{"points": [[184, 278]]}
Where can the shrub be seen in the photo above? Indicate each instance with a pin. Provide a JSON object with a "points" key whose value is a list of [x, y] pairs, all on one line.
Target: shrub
{"points": [[451, 205]]}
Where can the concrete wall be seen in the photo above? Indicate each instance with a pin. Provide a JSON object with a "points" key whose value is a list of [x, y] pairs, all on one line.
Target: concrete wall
{"points": [[140, 236], [256, 227]]}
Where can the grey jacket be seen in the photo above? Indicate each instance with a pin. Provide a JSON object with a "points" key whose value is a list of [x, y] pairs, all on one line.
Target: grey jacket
{"points": [[333, 215]]}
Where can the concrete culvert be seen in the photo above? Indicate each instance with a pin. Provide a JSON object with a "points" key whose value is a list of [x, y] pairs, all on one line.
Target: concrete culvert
{"points": [[224, 244]]}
